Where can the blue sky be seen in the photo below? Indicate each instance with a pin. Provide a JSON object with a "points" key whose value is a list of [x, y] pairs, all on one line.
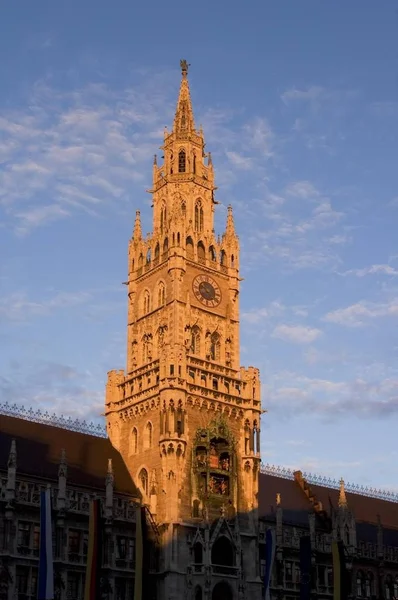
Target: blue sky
{"points": [[299, 105]]}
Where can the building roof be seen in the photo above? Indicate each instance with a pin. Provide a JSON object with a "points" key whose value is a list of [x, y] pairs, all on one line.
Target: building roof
{"points": [[366, 509], [39, 448]]}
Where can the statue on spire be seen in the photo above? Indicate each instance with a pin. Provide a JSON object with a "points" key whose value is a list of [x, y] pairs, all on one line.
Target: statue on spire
{"points": [[184, 67]]}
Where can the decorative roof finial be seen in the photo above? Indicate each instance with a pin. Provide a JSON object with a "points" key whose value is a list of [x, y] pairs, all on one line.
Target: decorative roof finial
{"points": [[184, 67], [137, 233], [342, 496]]}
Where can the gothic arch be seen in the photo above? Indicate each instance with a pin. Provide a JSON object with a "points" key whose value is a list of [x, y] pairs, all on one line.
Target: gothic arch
{"points": [[190, 248], [182, 161], [212, 254], [223, 258], [222, 591], [198, 216], [157, 252], [161, 293], [146, 301], [195, 340], [215, 346], [223, 552], [143, 480], [198, 593], [201, 252], [134, 441], [165, 244], [163, 217], [148, 436]]}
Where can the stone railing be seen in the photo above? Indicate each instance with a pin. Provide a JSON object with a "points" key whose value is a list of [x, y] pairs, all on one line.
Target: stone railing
{"points": [[320, 480]]}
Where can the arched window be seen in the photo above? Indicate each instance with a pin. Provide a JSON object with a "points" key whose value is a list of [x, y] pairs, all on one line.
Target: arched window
{"points": [[161, 293], [194, 162], [147, 302], [148, 436], [190, 251], [369, 583], [223, 259], [198, 593], [143, 480], [222, 552], [360, 584], [198, 216], [213, 254], [134, 441], [222, 591], [183, 208], [165, 245], [157, 253], [195, 509], [198, 553], [215, 347], [195, 340], [148, 256], [201, 252], [232, 261], [162, 218], [182, 160]]}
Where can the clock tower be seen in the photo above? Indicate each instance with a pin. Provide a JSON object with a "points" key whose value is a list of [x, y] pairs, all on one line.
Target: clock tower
{"points": [[184, 414]]}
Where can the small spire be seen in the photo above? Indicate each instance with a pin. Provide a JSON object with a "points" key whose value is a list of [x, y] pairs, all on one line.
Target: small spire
{"points": [[342, 496], [183, 120], [12, 457], [155, 160], [230, 230], [137, 234], [62, 467]]}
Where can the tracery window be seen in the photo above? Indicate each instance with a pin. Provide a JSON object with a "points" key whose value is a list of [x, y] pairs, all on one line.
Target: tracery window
{"points": [[148, 435], [161, 294], [182, 160], [147, 302], [143, 479], [195, 340], [215, 347], [198, 216], [134, 441], [163, 215]]}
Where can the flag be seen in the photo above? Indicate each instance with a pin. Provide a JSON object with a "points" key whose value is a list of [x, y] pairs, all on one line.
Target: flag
{"points": [[46, 565], [305, 567], [339, 572], [91, 590], [269, 557]]}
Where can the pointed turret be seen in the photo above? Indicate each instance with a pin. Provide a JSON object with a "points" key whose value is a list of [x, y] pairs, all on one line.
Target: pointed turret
{"points": [[183, 120], [137, 233], [230, 229], [342, 496]]}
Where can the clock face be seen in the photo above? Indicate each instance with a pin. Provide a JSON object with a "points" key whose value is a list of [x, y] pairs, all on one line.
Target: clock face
{"points": [[207, 290]]}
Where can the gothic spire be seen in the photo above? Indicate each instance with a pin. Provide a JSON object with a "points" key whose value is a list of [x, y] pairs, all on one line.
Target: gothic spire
{"points": [[230, 230], [183, 120], [342, 496], [137, 233]]}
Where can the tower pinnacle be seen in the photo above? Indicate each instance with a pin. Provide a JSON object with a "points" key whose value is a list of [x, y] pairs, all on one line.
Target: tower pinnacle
{"points": [[137, 233], [183, 120], [342, 496]]}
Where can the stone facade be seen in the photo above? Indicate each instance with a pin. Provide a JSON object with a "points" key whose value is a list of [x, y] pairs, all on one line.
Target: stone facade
{"points": [[184, 415]]}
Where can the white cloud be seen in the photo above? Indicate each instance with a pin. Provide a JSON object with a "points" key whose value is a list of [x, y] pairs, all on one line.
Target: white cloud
{"points": [[372, 270], [314, 92], [358, 314], [239, 161], [297, 334]]}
